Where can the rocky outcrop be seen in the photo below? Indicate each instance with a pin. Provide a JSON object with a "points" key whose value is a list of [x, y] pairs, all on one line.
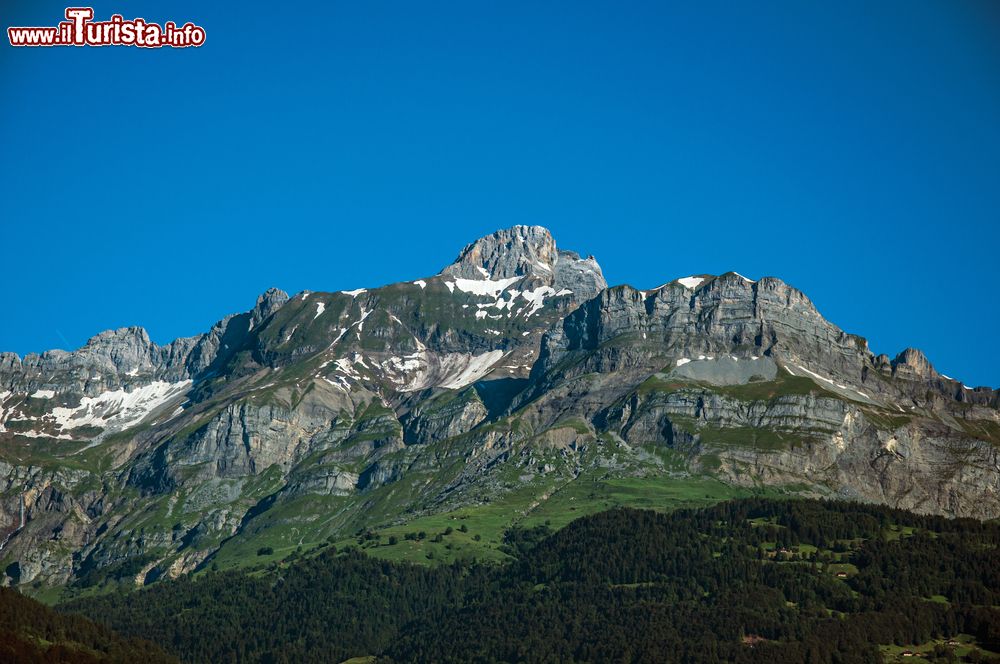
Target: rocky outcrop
{"points": [[639, 332], [529, 251], [913, 365], [230, 335], [443, 417]]}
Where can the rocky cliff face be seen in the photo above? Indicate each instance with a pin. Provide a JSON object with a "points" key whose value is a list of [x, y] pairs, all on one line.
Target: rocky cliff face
{"points": [[512, 369], [529, 252]]}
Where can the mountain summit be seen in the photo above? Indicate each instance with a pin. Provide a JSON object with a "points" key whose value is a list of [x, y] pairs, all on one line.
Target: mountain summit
{"points": [[515, 380], [529, 251]]}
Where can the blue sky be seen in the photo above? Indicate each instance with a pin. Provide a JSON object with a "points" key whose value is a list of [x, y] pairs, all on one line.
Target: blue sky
{"points": [[850, 148]]}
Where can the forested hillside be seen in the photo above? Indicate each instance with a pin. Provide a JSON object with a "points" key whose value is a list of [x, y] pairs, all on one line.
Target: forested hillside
{"points": [[31, 632], [750, 580]]}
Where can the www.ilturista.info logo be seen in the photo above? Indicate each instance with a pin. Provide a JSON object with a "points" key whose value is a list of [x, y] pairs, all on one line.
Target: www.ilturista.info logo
{"points": [[81, 30]]}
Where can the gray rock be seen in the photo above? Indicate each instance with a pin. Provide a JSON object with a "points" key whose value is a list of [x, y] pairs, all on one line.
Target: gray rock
{"points": [[529, 251]]}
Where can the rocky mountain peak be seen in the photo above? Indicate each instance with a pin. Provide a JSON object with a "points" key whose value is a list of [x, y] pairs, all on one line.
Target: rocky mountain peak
{"points": [[122, 336], [528, 252], [912, 363], [267, 303], [518, 251], [125, 350]]}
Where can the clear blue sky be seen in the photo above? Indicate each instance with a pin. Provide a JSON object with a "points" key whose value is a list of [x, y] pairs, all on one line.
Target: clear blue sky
{"points": [[850, 148]]}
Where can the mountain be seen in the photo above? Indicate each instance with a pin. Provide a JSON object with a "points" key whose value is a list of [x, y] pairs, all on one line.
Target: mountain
{"points": [[511, 387]]}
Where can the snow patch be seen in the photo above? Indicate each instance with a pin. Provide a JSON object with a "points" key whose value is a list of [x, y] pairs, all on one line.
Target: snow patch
{"points": [[404, 364], [320, 308], [119, 409], [43, 394], [421, 283], [36, 434], [681, 362], [3, 412], [361, 323], [346, 367], [831, 382], [485, 287], [340, 383], [422, 370], [690, 282], [475, 367], [536, 298], [355, 292]]}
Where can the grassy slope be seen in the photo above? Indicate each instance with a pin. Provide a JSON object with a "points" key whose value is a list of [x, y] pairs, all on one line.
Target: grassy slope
{"points": [[477, 531]]}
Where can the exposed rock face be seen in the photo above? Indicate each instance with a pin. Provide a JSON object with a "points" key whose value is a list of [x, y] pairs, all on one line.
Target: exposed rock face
{"points": [[858, 435], [108, 361], [513, 368], [444, 417], [214, 349], [515, 252], [912, 364], [581, 275], [529, 251], [917, 465], [731, 316]]}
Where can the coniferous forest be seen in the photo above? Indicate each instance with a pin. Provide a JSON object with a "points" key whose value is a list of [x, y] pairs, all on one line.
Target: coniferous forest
{"points": [[745, 581], [32, 633]]}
